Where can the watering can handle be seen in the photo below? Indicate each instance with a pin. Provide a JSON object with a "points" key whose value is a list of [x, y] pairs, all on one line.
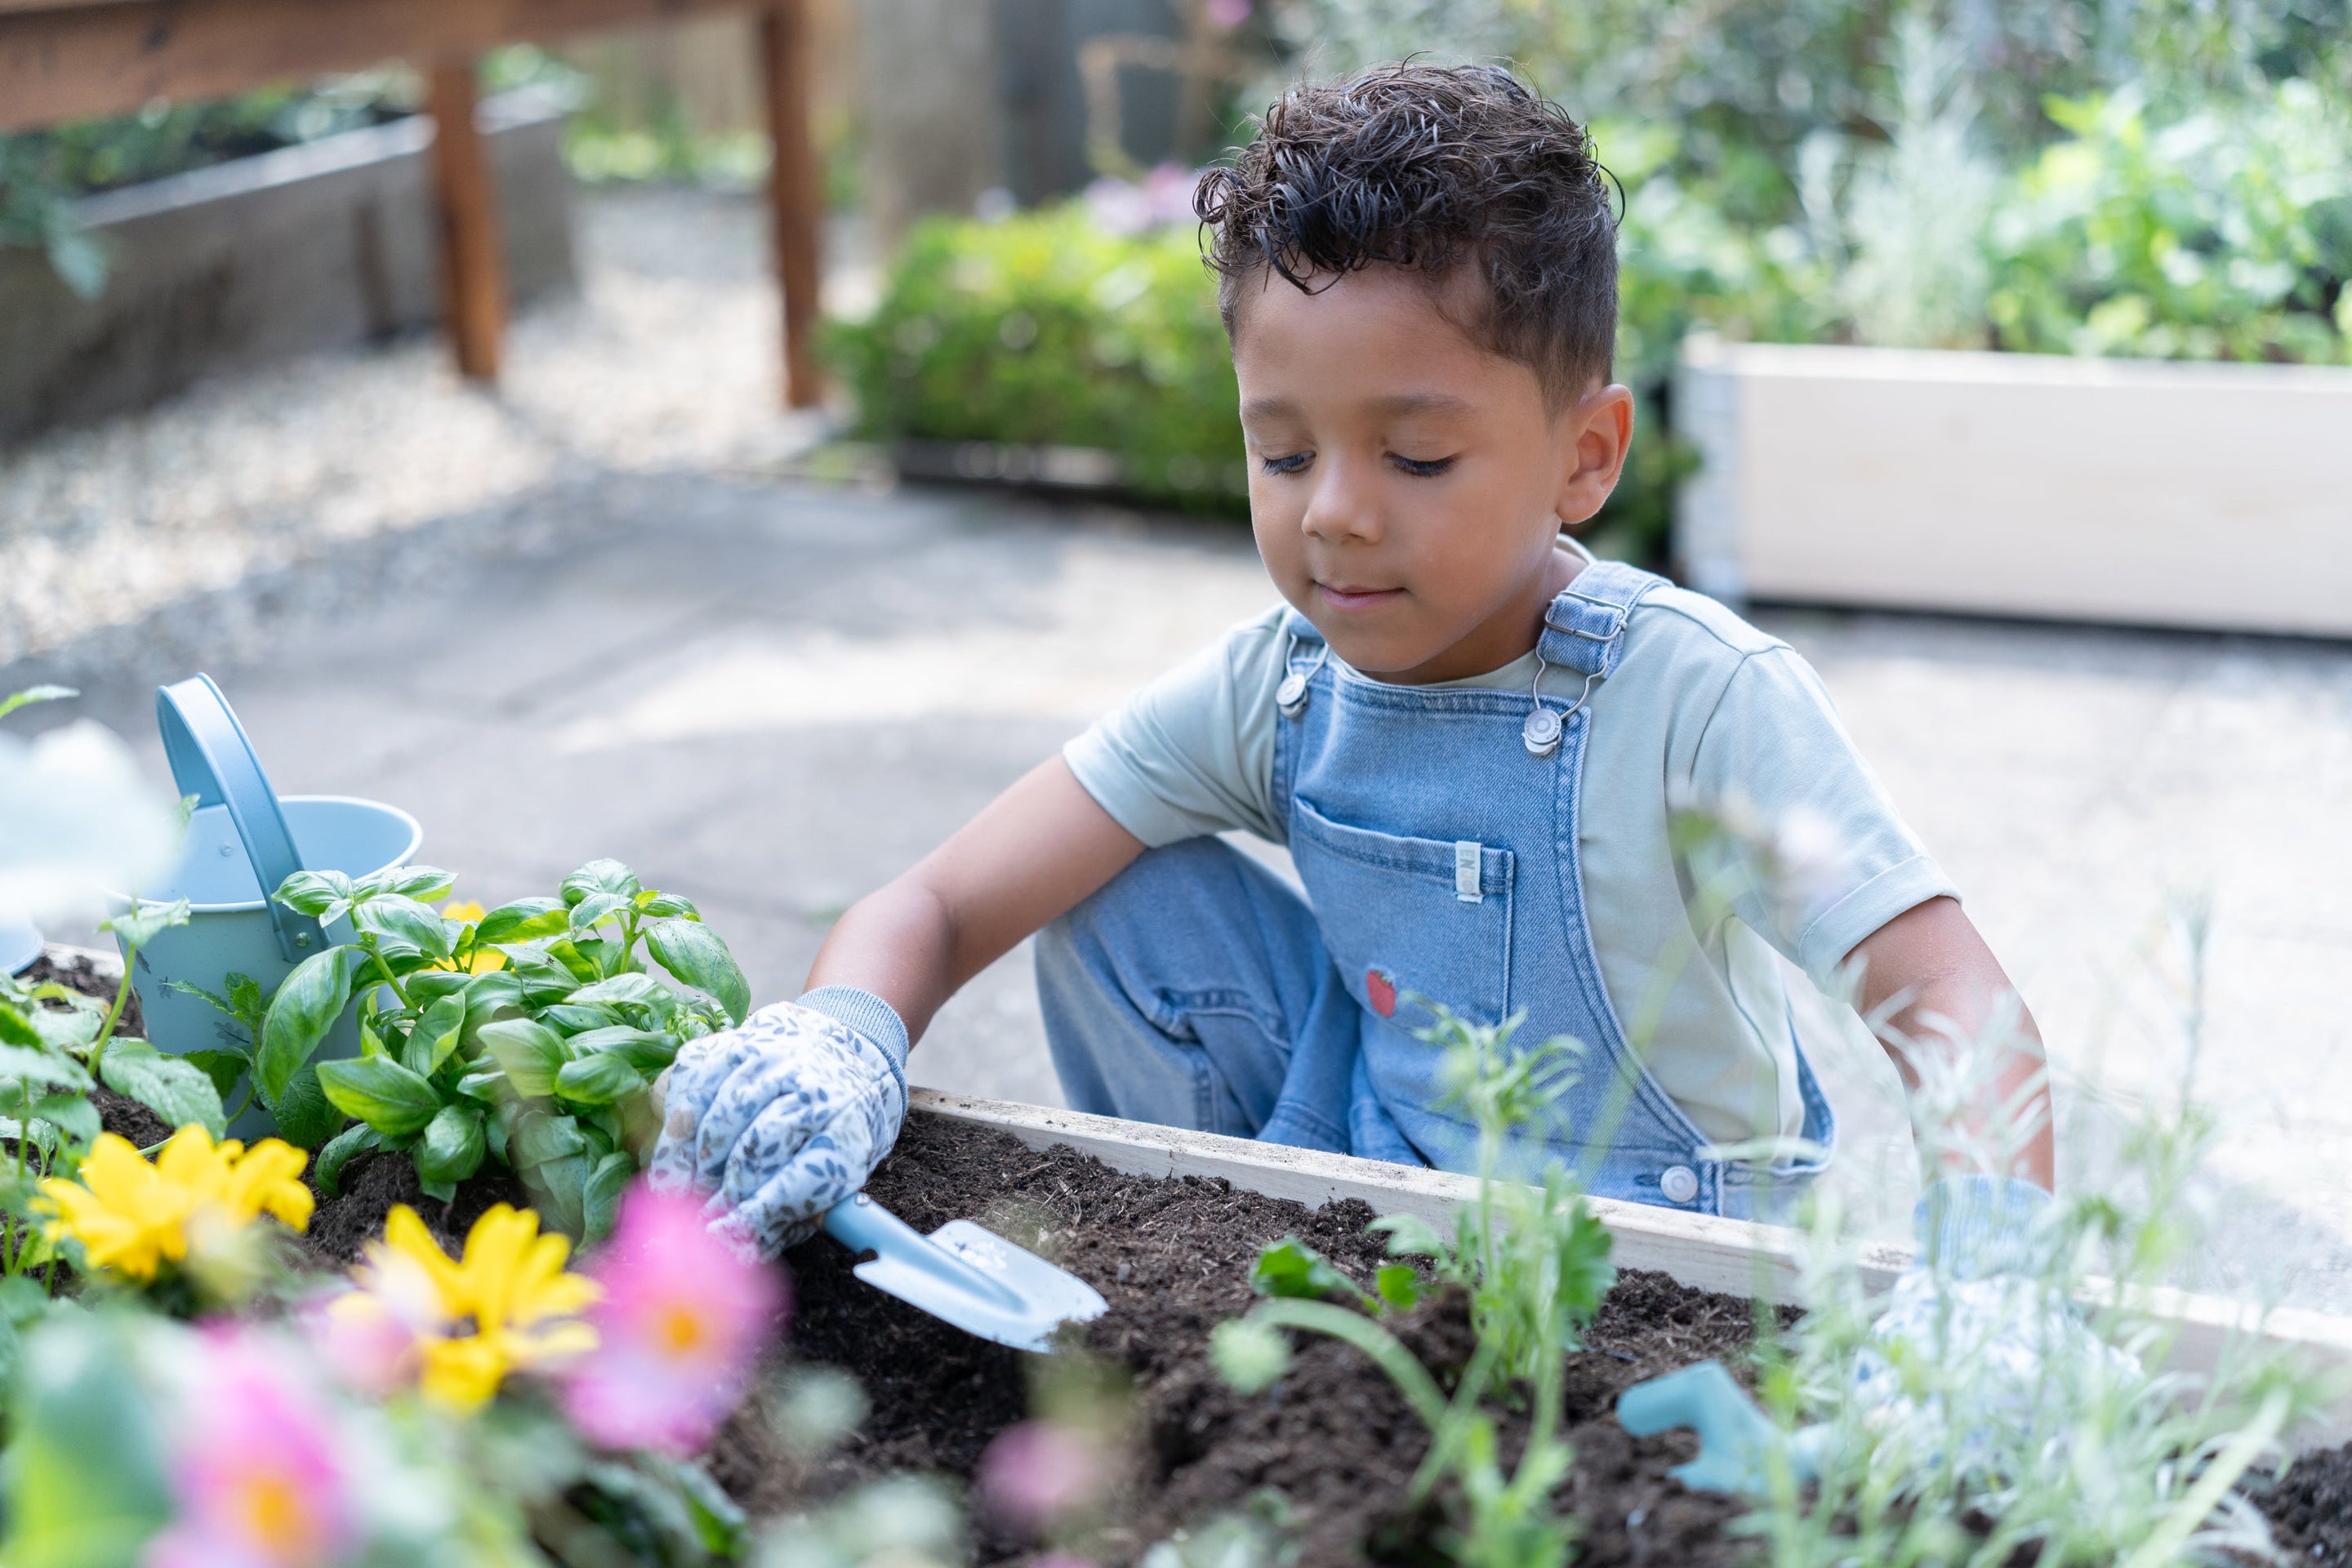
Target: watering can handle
{"points": [[213, 760]]}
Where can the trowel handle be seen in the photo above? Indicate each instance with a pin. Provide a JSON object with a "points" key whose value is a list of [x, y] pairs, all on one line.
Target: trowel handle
{"points": [[212, 760], [862, 1225]]}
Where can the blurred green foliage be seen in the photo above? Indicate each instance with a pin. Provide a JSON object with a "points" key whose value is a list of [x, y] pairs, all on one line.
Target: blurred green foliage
{"points": [[43, 173], [1045, 327]]}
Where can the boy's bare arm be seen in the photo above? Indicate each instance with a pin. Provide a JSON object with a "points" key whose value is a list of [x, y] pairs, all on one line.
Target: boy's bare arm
{"points": [[1933, 956], [1034, 852]]}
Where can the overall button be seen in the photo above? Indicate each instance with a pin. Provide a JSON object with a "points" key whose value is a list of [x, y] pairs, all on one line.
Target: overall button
{"points": [[1679, 1184]]}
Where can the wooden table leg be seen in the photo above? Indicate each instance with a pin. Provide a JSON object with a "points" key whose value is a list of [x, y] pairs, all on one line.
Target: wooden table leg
{"points": [[794, 193], [474, 289]]}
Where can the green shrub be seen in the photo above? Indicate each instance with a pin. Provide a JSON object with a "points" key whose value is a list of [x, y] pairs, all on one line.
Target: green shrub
{"points": [[1045, 329], [2224, 234]]}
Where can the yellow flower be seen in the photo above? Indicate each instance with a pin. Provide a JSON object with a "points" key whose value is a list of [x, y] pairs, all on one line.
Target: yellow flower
{"points": [[467, 912], [131, 1216], [507, 1306]]}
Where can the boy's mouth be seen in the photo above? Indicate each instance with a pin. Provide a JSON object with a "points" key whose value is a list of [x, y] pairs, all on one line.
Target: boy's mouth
{"points": [[1346, 597]]}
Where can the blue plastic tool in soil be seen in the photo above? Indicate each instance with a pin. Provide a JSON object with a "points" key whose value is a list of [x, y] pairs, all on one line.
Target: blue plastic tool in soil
{"points": [[963, 1275], [1737, 1442], [242, 842]]}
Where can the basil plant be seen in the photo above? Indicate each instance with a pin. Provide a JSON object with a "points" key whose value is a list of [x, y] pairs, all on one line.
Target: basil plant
{"points": [[528, 1034]]}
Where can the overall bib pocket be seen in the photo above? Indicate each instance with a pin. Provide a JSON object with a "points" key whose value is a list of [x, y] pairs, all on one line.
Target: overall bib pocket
{"points": [[1408, 916]]}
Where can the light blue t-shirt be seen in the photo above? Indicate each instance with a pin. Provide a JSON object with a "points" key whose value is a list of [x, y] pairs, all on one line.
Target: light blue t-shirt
{"points": [[1705, 708]]}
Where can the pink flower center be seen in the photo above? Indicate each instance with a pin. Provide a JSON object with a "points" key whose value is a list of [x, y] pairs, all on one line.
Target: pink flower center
{"points": [[276, 1518]]}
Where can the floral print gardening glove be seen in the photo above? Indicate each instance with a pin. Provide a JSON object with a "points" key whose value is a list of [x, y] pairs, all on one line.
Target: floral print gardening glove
{"points": [[784, 1116], [1979, 1339]]}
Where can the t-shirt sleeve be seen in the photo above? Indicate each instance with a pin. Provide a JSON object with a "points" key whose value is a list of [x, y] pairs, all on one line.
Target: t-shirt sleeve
{"points": [[1782, 769], [1192, 753]]}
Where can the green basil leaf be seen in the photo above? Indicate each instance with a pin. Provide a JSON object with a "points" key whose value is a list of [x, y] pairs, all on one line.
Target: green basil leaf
{"points": [[537, 1138], [16, 1030], [539, 976], [305, 1117], [178, 1091], [577, 957], [327, 1170], [452, 1147], [410, 882], [138, 927], [525, 920], [435, 1036], [642, 990], [573, 1020], [482, 1085], [429, 985], [381, 1092], [595, 907], [598, 1079], [558, 1191], [492, 989], [439, 1192], [305, 1008], [647, 1050], [312, 892], [654, 905], [600, 1195], [531, 1054], [403, 919], [694, 953], [600, 876]]}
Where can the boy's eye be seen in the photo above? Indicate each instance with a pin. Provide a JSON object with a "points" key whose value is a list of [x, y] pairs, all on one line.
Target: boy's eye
{"points": [[1421, 468], [1289, 465]]}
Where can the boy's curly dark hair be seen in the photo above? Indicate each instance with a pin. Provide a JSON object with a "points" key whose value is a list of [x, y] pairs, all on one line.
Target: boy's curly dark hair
{"points": [[1428, 167]]}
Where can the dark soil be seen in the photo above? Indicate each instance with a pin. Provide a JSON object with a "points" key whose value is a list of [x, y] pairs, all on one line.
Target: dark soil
{"points": [[341, 1227], [2310, 1507], [1172, 1258]]}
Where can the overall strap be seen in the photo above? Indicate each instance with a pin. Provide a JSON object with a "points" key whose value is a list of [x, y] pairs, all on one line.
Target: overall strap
{"points": [[1584, 628]]}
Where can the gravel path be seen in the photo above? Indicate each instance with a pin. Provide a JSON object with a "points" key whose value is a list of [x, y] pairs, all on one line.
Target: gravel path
{"points": [[228, 486]]}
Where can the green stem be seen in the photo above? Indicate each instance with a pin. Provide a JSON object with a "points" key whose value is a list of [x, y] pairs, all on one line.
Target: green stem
{"points": [[113, 1014], [385, 970], [1388, 1352]]}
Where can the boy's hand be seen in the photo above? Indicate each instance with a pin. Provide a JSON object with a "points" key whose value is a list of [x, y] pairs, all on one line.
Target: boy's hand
{"points": [[786, 1116]]}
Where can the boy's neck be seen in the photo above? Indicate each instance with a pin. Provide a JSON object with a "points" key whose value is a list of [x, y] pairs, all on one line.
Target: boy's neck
{"points": [[1509, 633]]}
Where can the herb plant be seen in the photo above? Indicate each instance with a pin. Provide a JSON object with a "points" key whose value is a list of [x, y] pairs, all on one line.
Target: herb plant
{"points": [[1534, 1262], [528, 1034]]}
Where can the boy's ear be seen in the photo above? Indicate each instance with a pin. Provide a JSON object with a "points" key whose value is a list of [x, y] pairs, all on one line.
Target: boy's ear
{"points": [[1595, 433]]}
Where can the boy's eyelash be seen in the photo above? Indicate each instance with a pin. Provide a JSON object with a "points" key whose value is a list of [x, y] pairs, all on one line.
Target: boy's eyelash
{"points": [[1289, 465], [1421, 469]]}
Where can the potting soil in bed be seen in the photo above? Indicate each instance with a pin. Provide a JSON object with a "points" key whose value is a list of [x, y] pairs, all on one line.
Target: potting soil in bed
{"points": [[1171, 1256]]}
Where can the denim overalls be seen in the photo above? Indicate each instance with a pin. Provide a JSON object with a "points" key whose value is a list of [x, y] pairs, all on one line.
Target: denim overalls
{"points": [[1437, 834]]}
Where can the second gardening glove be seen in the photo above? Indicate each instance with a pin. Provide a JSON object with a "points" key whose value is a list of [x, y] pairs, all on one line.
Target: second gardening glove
{"points": [[784, 1116]]}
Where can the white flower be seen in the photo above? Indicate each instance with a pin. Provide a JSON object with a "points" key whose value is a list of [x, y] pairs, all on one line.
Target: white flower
{"points": [[77, 819]]}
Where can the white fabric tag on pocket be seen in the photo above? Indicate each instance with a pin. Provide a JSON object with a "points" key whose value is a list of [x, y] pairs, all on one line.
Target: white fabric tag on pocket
{"points": [[1465, 872]]}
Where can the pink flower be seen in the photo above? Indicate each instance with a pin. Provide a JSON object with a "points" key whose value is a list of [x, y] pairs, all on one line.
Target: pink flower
{"points": [[678, 1331], [1228, 14], [1034, 1473], [254, 1466]]}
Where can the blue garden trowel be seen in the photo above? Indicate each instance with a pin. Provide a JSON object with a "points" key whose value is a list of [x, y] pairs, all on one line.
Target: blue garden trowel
{"points": [[963, 1275]]}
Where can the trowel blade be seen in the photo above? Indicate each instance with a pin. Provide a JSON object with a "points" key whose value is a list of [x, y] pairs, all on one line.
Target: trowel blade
{"points": [[1039, 1297]]}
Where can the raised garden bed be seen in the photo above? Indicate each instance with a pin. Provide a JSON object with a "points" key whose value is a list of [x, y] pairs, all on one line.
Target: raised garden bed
{"points": [[2204, 496], [313, 247], [1166, 1225]]}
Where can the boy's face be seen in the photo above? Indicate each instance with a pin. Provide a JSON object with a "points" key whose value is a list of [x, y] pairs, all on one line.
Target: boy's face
{"points": [[1407, 485]]}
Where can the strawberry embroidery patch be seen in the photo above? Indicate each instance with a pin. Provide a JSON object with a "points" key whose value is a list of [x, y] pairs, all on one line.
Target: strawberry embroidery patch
{"points": [[1381, 990]]}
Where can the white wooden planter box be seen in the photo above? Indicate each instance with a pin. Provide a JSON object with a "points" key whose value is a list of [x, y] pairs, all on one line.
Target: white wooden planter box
{"points": [[1735, 1256], [2210, 496]]}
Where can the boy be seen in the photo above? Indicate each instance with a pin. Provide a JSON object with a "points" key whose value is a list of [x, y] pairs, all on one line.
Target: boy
{"points": [[1467, 731]]}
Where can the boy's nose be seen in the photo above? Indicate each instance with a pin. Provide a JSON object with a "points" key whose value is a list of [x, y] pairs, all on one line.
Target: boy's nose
{"points": [[1341, 512]]}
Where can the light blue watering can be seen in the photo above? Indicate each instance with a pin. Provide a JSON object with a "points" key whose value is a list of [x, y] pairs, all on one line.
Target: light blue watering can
{"points": [[242, 842]]}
